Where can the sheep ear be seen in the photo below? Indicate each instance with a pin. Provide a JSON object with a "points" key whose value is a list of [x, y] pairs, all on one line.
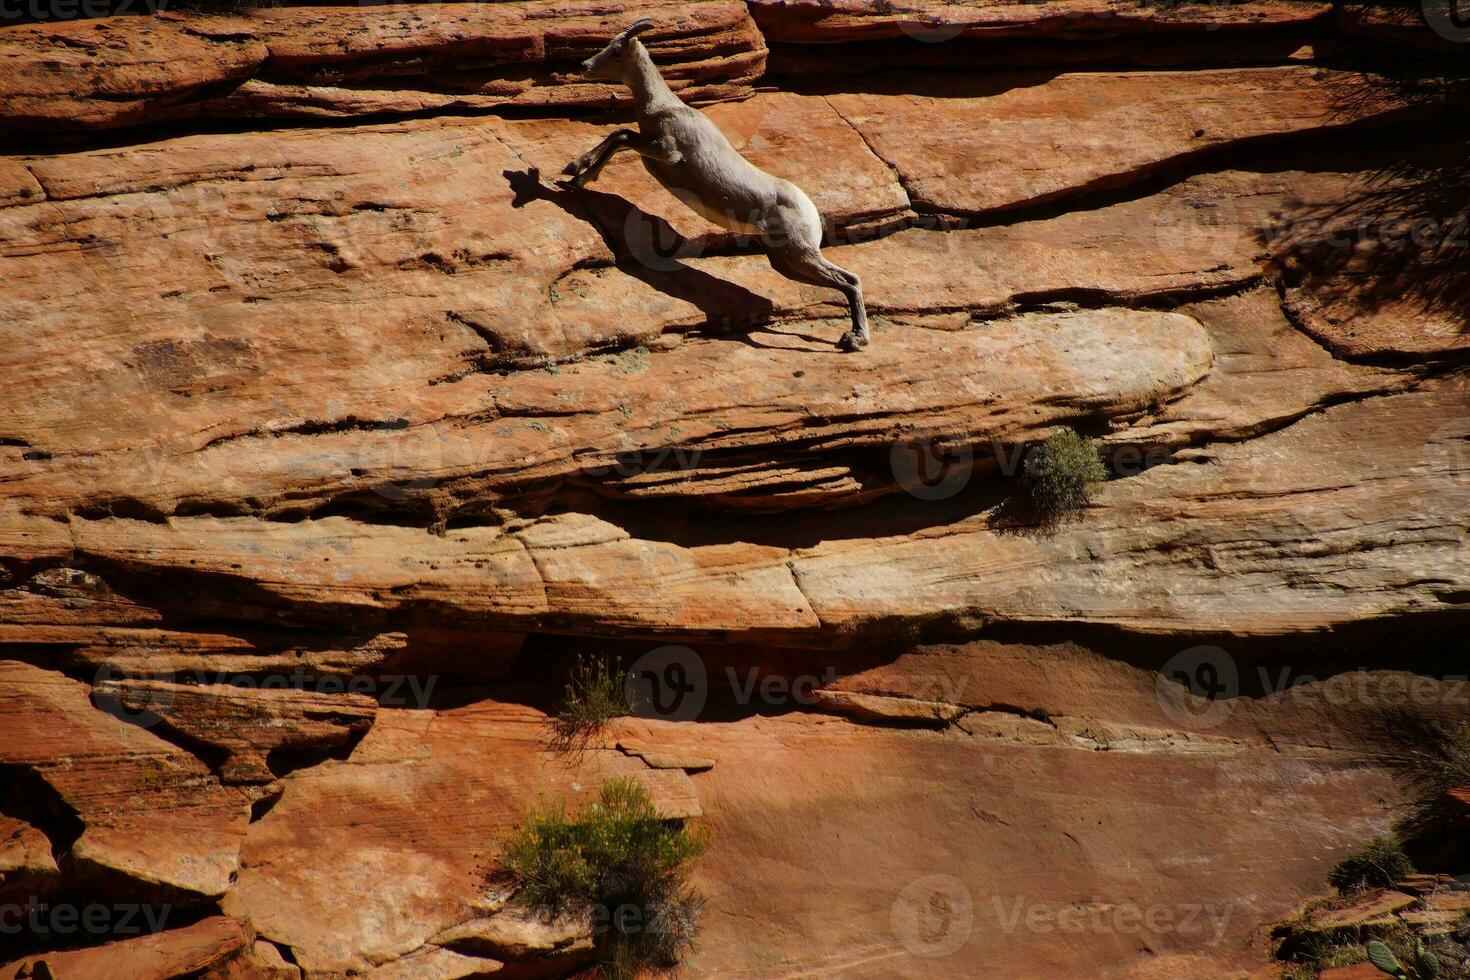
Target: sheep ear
{"points": [[636, 28]]}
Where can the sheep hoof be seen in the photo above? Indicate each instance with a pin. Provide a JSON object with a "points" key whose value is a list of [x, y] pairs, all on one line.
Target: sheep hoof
{"points": [[852, 342], [572, 168]]}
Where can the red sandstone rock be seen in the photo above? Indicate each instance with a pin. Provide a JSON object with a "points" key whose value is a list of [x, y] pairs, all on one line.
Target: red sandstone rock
{"points": [[1092, 698], [1375, 910], [978, 144], [515, 934], [1433, 922], [365, 399], [888, 709], [1460, 798], [348, 60], [117, 71], [1359, 971], [247, 723], [368, 859], [154, 823], [110, 653], [665, 757], [216, 948], [17, 185], [1404, 329], [1410, 25], [1177, 511], [990, 828], [581, 568], [390, 438], [938, 21], [27, 867], [1375, 277], [796, 63]]}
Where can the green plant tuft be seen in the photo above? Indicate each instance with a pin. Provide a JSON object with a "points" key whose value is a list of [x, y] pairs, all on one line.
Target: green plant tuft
{"points": [[631, 361], [1378, 865], [595, 694], [1061, 475], [618, 862]]}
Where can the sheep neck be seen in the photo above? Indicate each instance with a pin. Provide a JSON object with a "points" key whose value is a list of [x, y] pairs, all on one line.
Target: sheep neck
{"points": [[650, 91]]}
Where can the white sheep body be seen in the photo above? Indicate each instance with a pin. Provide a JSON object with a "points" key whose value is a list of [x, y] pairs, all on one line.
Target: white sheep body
{"points": [[688, 155]]}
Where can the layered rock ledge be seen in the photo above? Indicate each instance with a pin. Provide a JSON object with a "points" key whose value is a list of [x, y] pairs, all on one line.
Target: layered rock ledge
{"points": [[335, 430]]}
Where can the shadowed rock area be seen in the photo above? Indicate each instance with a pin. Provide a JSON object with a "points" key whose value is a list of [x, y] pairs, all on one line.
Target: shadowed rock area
{"points": [[335, 431]]}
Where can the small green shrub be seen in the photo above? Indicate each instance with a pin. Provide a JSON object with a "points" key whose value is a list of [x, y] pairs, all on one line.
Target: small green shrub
{"points": [[620, 863], [1061, 475], [1378, 865], [595, 694]]}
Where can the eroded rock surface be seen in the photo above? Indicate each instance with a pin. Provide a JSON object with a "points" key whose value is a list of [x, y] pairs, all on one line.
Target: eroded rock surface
{"points": [[936, 21], [246, 724], [215, 947], [331, 437], [344, 61], [358, 864], [150, 819]]}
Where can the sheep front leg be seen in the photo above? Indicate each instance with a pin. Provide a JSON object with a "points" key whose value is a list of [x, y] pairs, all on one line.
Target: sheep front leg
{"points": [[586, 168]]}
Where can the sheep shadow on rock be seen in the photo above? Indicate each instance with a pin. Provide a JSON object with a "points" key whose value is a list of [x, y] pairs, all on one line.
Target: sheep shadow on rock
{"points": [[726, 306]]}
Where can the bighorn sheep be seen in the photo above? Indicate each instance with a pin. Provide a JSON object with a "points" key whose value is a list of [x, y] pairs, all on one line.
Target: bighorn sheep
{"points": [[688, 155]]}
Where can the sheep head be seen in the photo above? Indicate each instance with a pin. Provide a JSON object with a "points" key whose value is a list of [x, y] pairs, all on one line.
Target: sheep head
{"points": [[612, 62]]}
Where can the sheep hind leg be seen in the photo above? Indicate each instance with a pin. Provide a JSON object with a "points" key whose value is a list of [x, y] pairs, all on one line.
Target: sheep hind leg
{"points": [[808, 266]]}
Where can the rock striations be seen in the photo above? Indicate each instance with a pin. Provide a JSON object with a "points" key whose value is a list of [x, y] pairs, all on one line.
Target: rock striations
{"points": [[332, 431]]}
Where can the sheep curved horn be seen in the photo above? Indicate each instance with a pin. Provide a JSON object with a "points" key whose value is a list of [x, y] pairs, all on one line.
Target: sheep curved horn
{"points": [[634, 29]]}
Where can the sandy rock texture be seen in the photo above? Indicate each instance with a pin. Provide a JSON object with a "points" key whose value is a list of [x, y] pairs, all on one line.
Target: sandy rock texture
{"points": [[935, 21], [335, 431], [346, 61]]}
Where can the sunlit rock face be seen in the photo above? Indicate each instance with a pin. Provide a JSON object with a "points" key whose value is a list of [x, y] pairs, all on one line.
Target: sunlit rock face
{"points": [[335, 430]]}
